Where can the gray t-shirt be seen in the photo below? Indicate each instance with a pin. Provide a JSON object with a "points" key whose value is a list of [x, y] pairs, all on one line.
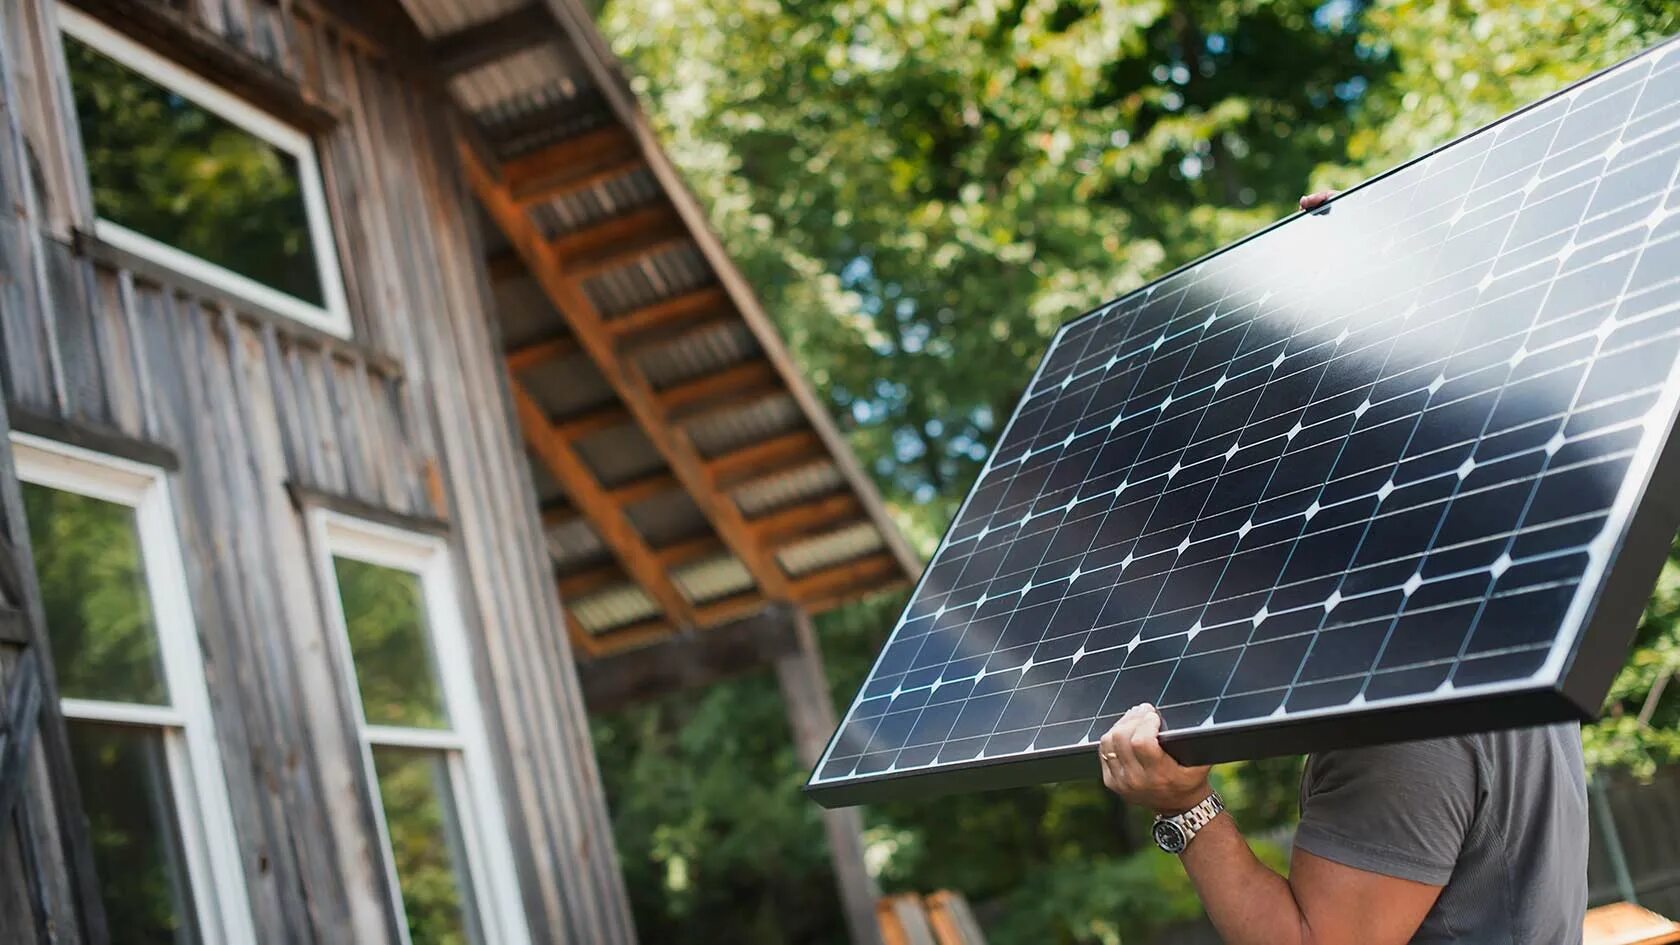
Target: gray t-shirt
{"points": [[1498, 819]]}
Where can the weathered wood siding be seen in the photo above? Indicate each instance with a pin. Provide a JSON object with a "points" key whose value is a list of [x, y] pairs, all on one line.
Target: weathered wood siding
{"points": [[411, 418]]}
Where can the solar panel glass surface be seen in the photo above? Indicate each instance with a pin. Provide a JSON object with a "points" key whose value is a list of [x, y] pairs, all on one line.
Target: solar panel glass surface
{"points": [[1373, 473]]}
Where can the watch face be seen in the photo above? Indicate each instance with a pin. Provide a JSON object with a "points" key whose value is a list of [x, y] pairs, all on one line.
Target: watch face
{"points": [[1169, 836]]}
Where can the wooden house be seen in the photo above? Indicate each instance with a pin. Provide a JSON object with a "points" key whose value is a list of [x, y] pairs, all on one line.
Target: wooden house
{"points": [[376, 402]]}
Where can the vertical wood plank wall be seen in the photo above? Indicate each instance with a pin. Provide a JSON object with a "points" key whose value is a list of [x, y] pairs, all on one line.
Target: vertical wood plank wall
{"points": [[252, 407]]}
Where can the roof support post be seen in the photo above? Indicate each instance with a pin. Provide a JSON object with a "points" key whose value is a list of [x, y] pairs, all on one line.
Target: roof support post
{"points": [[810, 711]]}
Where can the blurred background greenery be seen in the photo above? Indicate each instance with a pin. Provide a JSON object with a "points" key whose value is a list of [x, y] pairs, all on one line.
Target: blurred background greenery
{"points": [[922, 190]]}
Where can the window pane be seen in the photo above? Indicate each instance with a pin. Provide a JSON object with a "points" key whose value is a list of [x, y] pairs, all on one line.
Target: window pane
{"points": [[184, 176], [93, 583], [391, 645], [137, 850], [426, 845]]}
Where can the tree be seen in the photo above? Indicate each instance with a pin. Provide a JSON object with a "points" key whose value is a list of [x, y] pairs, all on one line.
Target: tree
{"points": [[921, 191]]}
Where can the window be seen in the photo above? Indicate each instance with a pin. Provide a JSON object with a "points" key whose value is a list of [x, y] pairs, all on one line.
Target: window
{"points": [[125, 651], [191, 177], [406, 659]]}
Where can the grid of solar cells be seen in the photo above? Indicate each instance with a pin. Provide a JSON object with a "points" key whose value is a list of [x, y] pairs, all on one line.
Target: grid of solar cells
{"points": [[1370, 456]]}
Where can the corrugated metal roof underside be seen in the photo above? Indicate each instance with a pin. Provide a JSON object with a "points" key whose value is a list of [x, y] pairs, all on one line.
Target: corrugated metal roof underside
{"points": [[822, 551], [654, 279], [527, 100], [723, 344], [568, 387], [437, 18], [713, 578], [614, 607], [798, 485], [714, 434], [613, 197]]}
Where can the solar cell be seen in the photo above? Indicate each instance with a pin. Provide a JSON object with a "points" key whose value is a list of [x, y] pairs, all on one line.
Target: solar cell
{"points": [[1401, 467]]}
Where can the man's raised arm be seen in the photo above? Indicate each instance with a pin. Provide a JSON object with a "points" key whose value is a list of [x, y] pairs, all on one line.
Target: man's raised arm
{"points": [[1322, 902]]}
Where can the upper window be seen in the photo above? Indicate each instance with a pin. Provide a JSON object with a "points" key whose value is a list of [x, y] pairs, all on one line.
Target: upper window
{"points": [[136, 709], [194, 178], [406, 657]]}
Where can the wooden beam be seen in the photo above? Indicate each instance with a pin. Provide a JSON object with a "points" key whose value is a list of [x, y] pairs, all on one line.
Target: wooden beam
{"points": [[517, 30], [784, 451], [626, 379], [603, 66], [631, 636], [608, 520], [785, 526], [590, 580], [690, 549], [622, 678], [733, 607], [642, 224], [669, 311], [601, 418], [528, 171], [638, 490], [811, 718], [566, 182], [875, 566], [541, 352], [589, 263], [724, 387]]}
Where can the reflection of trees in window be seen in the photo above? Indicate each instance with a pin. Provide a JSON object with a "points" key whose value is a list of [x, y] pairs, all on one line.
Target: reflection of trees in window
{"points": [[390, 645], [183, 175], [104, 642], [426, 845], [93, 588], [137, 850]]}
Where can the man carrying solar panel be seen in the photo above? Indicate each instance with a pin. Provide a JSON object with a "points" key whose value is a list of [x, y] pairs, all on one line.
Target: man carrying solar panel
{"points": [[1479, 838]]}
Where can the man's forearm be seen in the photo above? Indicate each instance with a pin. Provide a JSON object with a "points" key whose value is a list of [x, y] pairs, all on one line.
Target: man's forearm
{"points": [[1246, 900]]}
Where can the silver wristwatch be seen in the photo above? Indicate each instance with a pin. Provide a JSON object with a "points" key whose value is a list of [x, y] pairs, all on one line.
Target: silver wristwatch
{"points": [[1173, 834]]}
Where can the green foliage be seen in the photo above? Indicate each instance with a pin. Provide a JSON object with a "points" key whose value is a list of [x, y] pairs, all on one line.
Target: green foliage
{"points": [[1641, 725], [922, 190]]}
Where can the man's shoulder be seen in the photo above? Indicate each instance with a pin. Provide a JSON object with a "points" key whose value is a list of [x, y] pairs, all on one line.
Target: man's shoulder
{"points": [[1428, 751], [1465, 753]]}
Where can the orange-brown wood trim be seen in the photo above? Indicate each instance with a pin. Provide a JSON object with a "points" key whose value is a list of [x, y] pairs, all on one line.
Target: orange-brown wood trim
{"points": [[721, 389], [590, 580], [763, 458], [787, 525], [870, 568], [669, 311], [608, 520], [564, 157], [632, 387], [637, 225], [566, 182], [541, 352]]}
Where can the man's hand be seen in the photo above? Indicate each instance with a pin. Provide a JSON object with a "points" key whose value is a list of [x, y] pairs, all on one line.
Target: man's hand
{"points": [[1315, 200], [1135, 767]]}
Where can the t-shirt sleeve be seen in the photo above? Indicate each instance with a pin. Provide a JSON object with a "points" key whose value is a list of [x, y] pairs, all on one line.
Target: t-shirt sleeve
{"points": [[1400, 810]]}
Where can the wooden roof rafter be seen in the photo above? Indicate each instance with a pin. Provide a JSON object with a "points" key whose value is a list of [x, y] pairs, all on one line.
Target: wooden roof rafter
{"points": [[606, 517], [562, 286]]}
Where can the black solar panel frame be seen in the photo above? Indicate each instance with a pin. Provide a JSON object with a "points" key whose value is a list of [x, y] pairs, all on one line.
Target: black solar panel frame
{"points": [[1609, 622]]}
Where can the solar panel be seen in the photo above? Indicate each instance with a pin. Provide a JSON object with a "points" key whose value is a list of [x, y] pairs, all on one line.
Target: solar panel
{"points": [[1399, 468]]}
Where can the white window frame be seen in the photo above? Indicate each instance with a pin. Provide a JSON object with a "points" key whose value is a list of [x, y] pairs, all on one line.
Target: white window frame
{"points": [[334, 316], [477, 797], [202, 808]]}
